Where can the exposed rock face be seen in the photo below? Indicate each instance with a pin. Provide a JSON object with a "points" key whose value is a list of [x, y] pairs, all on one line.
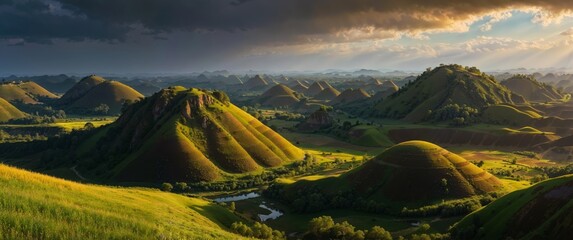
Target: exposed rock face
{"points": [[317, 121]]}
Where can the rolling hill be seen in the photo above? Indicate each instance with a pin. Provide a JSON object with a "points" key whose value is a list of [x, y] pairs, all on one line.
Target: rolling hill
{"points": [[256, 83], [53, 83], [314, 89], [92, 91], [35, 206], [328, 93], [542, 211], [441, 87], [413, 172], [278, 96], [350, 95], [531, 89], [299, 87], [185, 135], [25, 92], [9, 112]]}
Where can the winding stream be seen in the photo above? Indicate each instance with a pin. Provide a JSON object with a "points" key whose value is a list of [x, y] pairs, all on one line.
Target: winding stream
{"points": [[274, 214], [237, 197]]}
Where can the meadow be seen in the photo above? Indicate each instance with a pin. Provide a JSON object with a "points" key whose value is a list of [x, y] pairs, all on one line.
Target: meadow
{"points": [[35, 206]]}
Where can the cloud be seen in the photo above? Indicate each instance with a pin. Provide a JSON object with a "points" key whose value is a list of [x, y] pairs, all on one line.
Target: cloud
{"points": [[495, 18], [568, 32], [277, 22], [38, 21]]}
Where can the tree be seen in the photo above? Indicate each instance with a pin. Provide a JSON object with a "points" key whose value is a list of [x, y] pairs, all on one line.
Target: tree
{"points": [[378, 233], [232, 206], [181, 186], [166, 187], [101, 109], [320, 224]]}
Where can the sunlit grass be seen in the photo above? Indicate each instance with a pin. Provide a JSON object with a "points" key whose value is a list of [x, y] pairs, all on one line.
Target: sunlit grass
{"points": [[35, 206]]}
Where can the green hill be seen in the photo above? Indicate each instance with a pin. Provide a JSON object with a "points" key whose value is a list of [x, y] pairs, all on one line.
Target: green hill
{"points": [[508, 115], [278, 96], [350, 95], [35, 206], [8, 111], [531, 89], [256, 83], [371, 136], [410, 173], [25, 92], [314, 89], [299, 87], [94, 91], [185, 135], [446, 85], [542, 211], [328, 93]]}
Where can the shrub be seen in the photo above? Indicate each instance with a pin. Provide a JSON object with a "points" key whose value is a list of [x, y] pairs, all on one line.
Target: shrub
{"points": [[166, 187]]}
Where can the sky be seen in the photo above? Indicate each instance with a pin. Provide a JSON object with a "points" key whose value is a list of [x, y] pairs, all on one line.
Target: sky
{"points": [[182, 36]]}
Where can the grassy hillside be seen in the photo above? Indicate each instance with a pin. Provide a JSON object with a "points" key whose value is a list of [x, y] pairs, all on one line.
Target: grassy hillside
{"points": [[443, 86], [542, 211], [277, 96], [411, 173], [350, 95], [327, 94], [94, 91], [186, 135], [36, 90], [8, 111], [255, 83], [531, 89], [299, 87], [111, 93], [370, 136], [314, 89], [508, 115], [81, 88], [36, 206], [25, 92]]}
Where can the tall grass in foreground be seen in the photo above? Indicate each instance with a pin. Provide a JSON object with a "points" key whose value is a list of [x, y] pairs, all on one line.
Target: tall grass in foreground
{"points": [[35, 206]]}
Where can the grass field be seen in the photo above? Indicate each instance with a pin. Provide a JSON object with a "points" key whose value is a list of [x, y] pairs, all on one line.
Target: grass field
{"points": [[547, 206], [35, 206]]}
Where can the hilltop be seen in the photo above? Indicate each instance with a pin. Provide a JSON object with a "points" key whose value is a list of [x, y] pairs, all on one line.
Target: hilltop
{"points": [[531, 89], [256, 83], [542, 211], [409, 173], [444, 87], [37, 206], [25, 92], [350, 95], [328, 93], [185, 135], [299, 87], [314, 89], [9, 112], [277, 96], [93, 91]]}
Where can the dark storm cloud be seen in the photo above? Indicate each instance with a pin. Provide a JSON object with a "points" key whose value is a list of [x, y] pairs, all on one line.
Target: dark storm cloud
{"points": [[272, 20], [39, 22]]}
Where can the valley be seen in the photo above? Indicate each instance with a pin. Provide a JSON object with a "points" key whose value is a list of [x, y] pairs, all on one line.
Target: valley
{"points": [[404, 158]]}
